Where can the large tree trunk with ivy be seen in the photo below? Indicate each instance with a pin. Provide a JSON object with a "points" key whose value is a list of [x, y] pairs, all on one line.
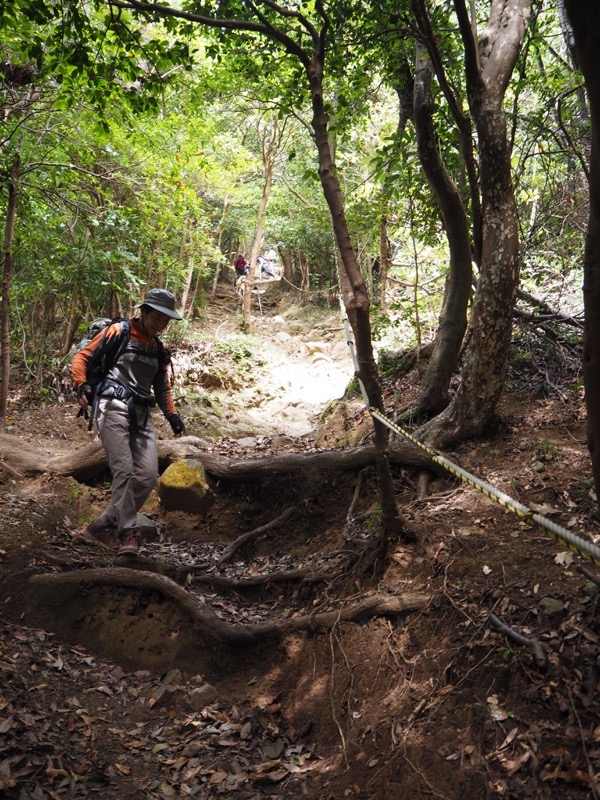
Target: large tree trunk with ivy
{"points": [[488, 70], [584, 17], [431, 40]]}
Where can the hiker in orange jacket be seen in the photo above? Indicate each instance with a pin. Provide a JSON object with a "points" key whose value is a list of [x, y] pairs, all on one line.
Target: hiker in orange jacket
{"points": [[132, 385]]}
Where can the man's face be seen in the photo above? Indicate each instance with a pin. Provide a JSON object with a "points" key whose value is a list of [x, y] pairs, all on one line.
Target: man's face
{"points": [[155, 322]]}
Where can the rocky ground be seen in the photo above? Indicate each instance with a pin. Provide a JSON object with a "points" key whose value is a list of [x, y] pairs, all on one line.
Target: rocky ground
{"points": [[487, 690]]}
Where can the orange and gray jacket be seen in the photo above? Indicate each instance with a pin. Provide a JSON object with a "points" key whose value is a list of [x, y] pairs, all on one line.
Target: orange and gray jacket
{"points": [[137, 370]]}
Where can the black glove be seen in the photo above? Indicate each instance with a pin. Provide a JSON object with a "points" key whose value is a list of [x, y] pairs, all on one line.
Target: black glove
{"points": [[177, 424], [85, 389]]}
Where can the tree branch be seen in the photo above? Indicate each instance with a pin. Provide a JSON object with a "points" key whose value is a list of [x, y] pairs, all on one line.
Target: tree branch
{"points": [[250, 535], [213, 22]]}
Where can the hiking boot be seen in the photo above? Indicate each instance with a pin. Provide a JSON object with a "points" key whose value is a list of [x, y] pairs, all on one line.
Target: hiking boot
{"points": [[102, 533], [131, 541]]}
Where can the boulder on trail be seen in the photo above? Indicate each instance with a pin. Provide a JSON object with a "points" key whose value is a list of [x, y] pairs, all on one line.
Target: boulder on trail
{"points": [[183, 487]]}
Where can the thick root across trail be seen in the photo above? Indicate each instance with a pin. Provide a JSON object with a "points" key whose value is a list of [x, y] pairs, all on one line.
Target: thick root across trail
{"points": [[231, 633], [89, 461]]}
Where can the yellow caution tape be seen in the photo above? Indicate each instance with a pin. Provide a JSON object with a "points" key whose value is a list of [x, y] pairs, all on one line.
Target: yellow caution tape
{"points": [[587, 550], [583, 548]]}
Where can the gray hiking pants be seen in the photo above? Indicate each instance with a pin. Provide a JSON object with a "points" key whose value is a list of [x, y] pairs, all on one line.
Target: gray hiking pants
{"points": [[132, 459]]}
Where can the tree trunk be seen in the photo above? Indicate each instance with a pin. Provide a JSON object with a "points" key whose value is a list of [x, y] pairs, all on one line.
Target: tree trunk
{"points": [[219, 236], [304, 277], [356, 300], [453, 316], [269, 148], [287, 262], [7, 251], [384, 260], [72, 322], [486, 358], [584, 17], [404, 87], [463, 122], [189, 274]]}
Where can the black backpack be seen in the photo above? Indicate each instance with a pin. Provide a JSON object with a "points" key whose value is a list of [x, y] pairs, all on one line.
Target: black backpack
{"points": [[108, 355], [94, 329], [98, 369], [111, 353]]}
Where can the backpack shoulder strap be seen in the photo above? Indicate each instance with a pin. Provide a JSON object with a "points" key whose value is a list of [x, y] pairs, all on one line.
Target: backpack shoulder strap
{"points": [[165, 360], [163, 353], [122, 339], [114, 348]]}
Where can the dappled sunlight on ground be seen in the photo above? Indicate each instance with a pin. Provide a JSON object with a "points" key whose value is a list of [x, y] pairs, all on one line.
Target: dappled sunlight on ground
{"points": [[300, 390]]}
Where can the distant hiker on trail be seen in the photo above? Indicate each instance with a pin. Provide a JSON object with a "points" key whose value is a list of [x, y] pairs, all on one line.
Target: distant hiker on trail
{"points": [[241, 266], [265, 267], [121, 402]]}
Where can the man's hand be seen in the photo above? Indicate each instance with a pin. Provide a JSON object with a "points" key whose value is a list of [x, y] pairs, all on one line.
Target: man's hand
{"points": [[85, 395], [177, 425]]}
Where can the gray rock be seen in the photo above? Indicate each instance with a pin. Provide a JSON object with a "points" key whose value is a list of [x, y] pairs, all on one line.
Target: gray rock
{"points": [[201, 696], [248, 441], [173, 676], [164, 696], [551, 605], [146, 525]]}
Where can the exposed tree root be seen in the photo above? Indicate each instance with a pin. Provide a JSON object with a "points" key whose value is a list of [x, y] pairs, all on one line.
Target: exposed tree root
{"points": [[425, 477], [589, 573], [89, 461], [372, 559], [197, 572], [227, 632], [511, 633], [351, 521], [306, 575], [232, 549], [102, 560]]}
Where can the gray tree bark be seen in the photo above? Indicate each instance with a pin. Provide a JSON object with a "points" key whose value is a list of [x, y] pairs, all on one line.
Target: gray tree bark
{"points": [[7, 270], [489, 63]]}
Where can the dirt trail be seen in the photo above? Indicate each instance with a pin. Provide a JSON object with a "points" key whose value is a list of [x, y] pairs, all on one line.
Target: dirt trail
{"points": [[301, 381], [306, 366], [101, 684]]}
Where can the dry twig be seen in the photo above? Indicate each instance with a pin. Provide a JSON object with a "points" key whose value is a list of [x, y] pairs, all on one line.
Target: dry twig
{"points": [[511, 633]]}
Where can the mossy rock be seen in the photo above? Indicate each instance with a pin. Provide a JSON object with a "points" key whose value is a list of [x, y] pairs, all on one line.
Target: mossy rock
{"points": [[183, 487]]}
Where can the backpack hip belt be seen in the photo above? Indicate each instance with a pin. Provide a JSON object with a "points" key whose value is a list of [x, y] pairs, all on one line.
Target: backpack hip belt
{"points": [[111, 389], [114, 389]]}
